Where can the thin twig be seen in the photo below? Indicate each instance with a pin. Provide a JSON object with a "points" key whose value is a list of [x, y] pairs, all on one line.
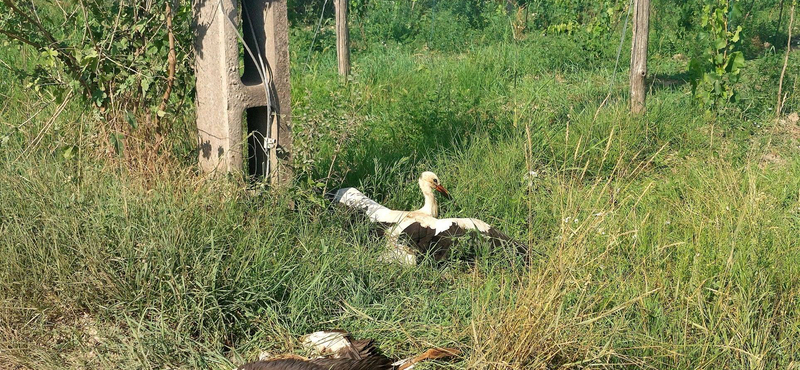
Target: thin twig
{"points": [[40, 135], [785, 61], [37, 111], [172, 60], [330, 169]]}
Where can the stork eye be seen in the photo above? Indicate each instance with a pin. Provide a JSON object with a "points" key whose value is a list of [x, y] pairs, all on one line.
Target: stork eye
{"points": [[435, 181]]}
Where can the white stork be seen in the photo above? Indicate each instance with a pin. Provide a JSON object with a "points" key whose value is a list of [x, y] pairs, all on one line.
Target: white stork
{"points": [[426, 232], [338, 351]]}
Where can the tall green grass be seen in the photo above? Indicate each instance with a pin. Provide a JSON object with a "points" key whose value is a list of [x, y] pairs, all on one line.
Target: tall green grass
{"points": [[671, 238]]}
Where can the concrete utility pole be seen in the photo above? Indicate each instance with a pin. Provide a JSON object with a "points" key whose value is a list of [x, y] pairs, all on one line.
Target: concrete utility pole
{"points": [[641, 29], [342, 37], [224, 92]]}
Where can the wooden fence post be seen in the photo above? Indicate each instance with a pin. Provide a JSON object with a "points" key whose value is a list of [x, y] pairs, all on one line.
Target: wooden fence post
{"points": [[342, 37], [641, 28]]}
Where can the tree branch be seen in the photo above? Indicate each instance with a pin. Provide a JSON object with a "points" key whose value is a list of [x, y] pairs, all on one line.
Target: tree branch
{"points": [[63, 54]]}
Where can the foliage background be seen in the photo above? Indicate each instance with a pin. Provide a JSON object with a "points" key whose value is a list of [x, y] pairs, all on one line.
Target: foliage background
{"points": [[671, 237]]}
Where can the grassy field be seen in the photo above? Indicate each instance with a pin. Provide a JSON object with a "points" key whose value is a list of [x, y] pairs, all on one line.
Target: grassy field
{"points": [[671, 238]]}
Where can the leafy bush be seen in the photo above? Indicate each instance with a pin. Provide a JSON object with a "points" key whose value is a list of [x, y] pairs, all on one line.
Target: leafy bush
{"points": [[115, 55], [594, 24], [716, 72]]}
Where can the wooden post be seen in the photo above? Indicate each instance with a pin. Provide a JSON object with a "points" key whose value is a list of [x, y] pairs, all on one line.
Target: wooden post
{"points": [[641, 28], [342, 37]]}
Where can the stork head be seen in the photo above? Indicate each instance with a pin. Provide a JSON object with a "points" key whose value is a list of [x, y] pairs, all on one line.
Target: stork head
{"points": [[429, 180]]}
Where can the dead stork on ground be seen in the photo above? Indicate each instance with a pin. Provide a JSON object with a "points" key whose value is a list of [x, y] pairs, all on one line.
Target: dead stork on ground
{"points": [[338, 351], [426, 232]]}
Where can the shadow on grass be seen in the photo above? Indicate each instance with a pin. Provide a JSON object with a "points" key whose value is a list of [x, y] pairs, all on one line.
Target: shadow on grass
{"points": [[417, 137], [668, 81]]}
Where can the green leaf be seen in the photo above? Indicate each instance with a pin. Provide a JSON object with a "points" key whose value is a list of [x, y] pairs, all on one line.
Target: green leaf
{"points": [[735, 37], [146, 84], [720, 43], [49, 52], [719, 16], [90, 58], [68, 152], [719, 59], [118, 141], [736, 62], [131, 119], [98, 97]]}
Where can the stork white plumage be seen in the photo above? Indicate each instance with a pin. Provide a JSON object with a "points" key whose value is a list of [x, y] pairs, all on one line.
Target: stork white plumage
{"points": [[426, 232]]}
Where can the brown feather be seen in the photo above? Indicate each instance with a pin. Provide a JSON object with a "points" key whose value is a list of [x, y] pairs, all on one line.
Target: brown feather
{"points": [[373, 362], [282, 364]]}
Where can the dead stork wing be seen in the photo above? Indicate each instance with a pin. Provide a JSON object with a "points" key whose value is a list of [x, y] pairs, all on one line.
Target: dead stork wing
{"points": [[355, 199], [376, 362], [339, 351], [356, 355]]}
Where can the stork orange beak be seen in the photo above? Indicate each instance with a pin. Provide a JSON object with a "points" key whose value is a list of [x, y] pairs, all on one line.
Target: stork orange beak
{"points": [[442, 190]]}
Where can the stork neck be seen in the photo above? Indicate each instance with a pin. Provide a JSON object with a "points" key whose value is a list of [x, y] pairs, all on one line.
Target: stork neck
{"points": [[430, 206]]}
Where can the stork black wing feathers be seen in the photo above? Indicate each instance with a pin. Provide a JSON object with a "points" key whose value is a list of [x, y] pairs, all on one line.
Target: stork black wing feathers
{"points": [[375, 362], [359, 355], [428, 234], [282, 364], [428, 240]]}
